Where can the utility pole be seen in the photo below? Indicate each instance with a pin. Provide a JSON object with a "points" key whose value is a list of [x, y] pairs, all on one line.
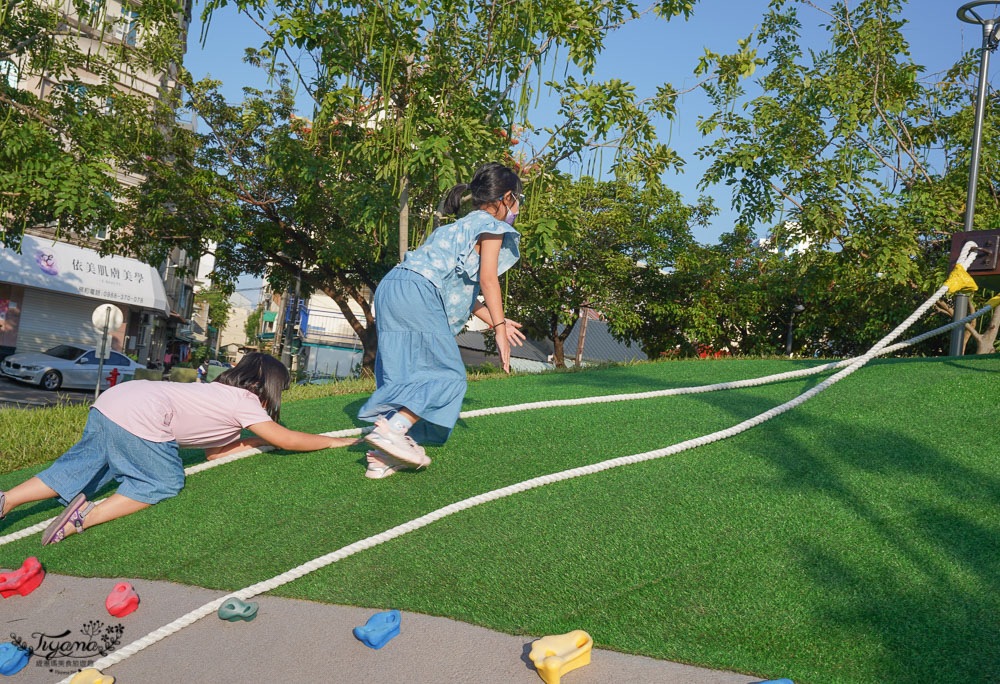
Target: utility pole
{"points": [[279, 325], [293, 320], [583, 336]]}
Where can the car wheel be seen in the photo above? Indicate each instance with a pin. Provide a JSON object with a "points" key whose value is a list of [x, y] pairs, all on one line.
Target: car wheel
{"points": [[52, 380]]}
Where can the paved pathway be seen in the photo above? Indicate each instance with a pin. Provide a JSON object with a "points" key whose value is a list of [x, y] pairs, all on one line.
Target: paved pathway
{"points": [[17, 394], [294, 642]]}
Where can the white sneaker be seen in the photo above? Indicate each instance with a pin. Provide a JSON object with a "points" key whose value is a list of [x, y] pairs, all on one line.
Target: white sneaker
{"points": [[399, 445], [383, 465]]}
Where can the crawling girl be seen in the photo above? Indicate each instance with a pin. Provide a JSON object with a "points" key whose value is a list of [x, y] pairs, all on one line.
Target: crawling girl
{"points": [[133, 434]]}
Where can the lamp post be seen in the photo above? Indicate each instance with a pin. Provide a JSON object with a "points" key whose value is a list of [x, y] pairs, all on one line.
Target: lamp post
{"points": [[991, 27], [797, 309]]}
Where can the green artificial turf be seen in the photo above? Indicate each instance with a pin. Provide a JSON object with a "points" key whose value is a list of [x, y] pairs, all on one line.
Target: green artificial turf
{"points": [[853, 539]]}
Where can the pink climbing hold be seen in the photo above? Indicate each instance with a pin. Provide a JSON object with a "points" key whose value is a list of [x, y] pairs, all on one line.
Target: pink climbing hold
{"points": [[122, 600], [22, 581]]}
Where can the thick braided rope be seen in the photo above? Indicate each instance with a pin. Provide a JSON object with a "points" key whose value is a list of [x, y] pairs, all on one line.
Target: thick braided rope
{"points": [[676, 391], [424, 520]]}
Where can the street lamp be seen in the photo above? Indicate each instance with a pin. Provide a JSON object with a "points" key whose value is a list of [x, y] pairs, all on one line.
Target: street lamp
{"points": [[991, 27], [797, 309]]}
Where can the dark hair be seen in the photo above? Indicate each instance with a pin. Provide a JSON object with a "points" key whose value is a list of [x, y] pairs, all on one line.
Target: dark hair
{"points": [[489, 183], [261, 374]]}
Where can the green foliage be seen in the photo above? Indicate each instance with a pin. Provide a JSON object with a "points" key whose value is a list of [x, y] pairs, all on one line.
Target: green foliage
{"points": [[60, 148], [252, 326], [734, 296], [219, 307], [595, 240], [408, 99], [851, 150]]}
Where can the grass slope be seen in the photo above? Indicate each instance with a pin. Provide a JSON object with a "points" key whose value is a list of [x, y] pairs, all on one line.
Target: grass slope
{"points": [[854, 539]]}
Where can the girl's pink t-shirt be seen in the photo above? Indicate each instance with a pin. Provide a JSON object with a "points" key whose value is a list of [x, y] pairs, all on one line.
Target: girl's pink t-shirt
{"points": [[193, 414]]}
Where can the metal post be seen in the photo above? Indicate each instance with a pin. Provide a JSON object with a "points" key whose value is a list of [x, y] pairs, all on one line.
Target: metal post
{"points": [[104, 344], [798, 308], [289, 338], [990, 26]]}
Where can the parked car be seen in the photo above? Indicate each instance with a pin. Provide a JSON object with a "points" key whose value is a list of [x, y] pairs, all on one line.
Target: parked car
{"points": [[223, 364], [67, 365]]}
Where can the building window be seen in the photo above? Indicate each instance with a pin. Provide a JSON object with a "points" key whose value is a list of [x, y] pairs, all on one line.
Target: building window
{"points": [[95, 11], [9, 73], [127, 28], [101, 233]]}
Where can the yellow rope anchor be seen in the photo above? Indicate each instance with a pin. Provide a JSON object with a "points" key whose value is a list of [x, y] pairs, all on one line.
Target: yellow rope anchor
{"points": [[960, 281]]}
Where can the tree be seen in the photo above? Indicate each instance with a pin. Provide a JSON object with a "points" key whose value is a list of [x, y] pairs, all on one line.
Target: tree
{"points": [[610, 233], [252, 326], [853, 150], [219, 307], [408, 99], [62, 147]]}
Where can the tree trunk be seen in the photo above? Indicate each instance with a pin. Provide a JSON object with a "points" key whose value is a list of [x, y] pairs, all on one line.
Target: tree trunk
{"points": [[557, 352], [369, 346], [987, 339], [557, 343], [366, 333], [404, 216], [559, 339]]}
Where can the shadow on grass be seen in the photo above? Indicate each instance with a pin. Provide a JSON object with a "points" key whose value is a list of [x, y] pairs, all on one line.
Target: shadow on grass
{"points": [[918, 574]]}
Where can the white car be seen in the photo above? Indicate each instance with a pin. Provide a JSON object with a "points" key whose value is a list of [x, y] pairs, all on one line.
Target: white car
{"points": [[67, 365]]}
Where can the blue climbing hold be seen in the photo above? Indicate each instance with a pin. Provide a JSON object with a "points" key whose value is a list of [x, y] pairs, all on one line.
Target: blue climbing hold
{"points": [[379, 629], [778, 681], [12, 659], [234, 609]]}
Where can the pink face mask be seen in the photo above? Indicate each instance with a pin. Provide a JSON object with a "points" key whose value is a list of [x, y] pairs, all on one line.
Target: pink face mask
{"points": [[509, 218]]}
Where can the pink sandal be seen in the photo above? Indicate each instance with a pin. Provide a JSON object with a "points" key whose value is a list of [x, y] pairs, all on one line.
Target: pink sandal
{"points": [[74, 513]]}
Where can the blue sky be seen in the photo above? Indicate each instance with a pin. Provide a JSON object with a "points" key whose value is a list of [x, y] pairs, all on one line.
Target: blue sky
{"points": [[647, 53]]}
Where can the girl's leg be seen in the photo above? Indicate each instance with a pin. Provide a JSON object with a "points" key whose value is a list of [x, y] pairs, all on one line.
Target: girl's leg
{"points": [[115, 506], [403, 419], [410, 415], [26, 492]]}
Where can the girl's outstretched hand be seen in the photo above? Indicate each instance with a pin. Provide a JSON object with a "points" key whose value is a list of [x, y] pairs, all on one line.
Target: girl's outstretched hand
{"points": [[503, 348], [513, 331]]}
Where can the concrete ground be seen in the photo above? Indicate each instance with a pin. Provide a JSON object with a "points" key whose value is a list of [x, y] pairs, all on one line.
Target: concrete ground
{"points": [[290, 641]]}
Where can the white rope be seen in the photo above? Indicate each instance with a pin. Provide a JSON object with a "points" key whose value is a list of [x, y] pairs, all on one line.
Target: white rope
{"points": [[424, 520], [555, 403]]}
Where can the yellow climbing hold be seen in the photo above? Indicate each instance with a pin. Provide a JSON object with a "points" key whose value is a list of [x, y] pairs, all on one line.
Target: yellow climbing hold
{"points": [[960, 281], [91, 676], [995, 302], [556, 655]]}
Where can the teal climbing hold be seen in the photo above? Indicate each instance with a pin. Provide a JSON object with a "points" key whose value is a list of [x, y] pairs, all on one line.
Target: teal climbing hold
{"points": [[234, 609]]}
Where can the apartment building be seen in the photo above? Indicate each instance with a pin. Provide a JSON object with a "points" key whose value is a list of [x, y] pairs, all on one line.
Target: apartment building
{"points": [[49, 289]]}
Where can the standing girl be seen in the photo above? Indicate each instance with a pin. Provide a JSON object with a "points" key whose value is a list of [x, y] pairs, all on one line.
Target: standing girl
{"points": [[419, 308], [133, 433]]}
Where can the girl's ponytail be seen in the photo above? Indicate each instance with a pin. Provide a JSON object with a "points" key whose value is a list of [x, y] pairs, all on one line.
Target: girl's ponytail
{"points": [[453, 201], [489, 184]]}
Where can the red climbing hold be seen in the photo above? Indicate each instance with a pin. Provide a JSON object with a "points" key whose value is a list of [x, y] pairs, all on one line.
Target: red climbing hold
{"points": [[22, 581], [122, 600]]}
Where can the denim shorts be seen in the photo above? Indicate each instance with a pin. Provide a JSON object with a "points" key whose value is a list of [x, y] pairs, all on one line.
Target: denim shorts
{"points": [[149, 472]]}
